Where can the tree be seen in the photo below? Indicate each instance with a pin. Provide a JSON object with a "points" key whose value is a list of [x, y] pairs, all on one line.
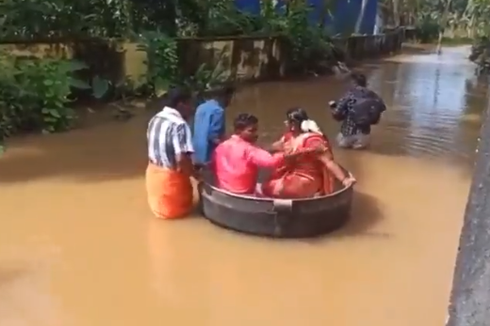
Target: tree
{"points": [[442, 24]]}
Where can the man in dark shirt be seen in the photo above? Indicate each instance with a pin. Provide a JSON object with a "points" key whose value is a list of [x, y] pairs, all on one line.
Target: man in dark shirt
{"points": [[351, 135]]}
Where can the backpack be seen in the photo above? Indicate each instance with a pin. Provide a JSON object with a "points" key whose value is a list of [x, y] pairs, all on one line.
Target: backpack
{"points": [[368, 109]]}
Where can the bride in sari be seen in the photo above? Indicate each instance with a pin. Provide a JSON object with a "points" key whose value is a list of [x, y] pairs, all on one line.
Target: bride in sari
{"points": [[307, 175]]}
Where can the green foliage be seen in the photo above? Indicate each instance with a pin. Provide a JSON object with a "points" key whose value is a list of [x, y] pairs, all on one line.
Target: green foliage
{"points": [[30, 19], [480, 54], [162, 61], [163, 67], [308, 45], [100, 18], [219, 18], [207, 77], [454, 21], [223, 19], [35, 94], [100, 87], [427, 28], [456, 18], [46, 84]]}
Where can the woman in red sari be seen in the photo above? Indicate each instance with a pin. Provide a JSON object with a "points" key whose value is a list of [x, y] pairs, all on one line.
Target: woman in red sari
{"points": [[308, 175]]}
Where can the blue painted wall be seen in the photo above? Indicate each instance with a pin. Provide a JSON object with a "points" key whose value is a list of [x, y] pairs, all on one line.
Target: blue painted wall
{"points": [[344, 14], [252, 6]]}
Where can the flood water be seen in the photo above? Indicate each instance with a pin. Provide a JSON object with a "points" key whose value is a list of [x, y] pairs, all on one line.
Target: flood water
{"points": [[79, 247]]}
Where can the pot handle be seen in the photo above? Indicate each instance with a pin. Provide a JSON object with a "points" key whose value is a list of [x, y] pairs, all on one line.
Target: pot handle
{"points": [[282, 205], [281, 208]]}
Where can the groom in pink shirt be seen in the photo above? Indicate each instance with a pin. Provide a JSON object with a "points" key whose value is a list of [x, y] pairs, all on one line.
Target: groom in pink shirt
{"points": [[237, 160]]}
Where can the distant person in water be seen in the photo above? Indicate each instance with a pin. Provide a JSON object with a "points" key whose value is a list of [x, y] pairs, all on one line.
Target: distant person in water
{"points": [[237, 160], [170, 166], [309, 175], [358, 110], [209, 124]]}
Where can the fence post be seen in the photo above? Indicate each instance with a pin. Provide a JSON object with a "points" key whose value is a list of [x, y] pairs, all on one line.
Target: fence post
{"points": [[470, 295]]}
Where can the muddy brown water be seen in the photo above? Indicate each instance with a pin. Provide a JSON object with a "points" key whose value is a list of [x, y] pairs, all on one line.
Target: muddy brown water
{"points": [[78, 246]]}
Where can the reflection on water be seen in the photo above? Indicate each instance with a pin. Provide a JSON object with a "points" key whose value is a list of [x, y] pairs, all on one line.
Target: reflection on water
{"points": [[83, 194], [427, 112]]}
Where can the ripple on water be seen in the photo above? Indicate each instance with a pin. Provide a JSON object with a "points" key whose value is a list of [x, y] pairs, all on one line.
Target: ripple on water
{"points": [[428, 144]]}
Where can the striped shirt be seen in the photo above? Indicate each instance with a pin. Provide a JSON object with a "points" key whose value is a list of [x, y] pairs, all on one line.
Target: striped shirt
{"points": [[168, 136]]}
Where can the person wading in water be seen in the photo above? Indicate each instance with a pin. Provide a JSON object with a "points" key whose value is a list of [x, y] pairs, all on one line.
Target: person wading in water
{"points": [[358, 110], [209, 124], [170, 167]]}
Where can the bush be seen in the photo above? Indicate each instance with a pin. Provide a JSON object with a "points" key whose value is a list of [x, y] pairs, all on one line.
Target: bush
{"points": [[162, 61], [34, 94], [427, 29], [164, 70]]}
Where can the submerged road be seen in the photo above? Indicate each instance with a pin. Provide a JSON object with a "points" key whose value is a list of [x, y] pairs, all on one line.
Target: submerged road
{"points": [[79, 247]]}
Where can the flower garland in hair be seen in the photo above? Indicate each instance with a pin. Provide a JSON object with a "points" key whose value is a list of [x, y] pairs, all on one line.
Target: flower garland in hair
{"points": [[310, 126]]}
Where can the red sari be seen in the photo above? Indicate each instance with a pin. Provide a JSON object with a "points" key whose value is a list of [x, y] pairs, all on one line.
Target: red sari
{"points": [[305, 176]]}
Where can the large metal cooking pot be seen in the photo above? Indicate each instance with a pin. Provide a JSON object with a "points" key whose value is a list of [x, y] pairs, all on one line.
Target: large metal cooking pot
{"points": [[281, 218]]}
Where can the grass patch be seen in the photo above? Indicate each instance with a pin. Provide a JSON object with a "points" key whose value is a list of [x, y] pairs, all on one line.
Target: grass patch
{"points": [[455, 41]]}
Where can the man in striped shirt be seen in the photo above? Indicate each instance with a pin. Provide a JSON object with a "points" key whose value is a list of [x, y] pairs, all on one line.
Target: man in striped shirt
{"points": [[170, 165]]}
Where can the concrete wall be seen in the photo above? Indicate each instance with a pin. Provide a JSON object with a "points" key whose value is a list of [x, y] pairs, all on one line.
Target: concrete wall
{"points": [[244, 58]]}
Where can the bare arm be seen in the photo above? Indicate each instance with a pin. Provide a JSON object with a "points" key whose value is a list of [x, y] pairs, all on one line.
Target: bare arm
{"points": [[185, 165], [325, 156], [280, 145], [332, 166], [277, 146]]}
